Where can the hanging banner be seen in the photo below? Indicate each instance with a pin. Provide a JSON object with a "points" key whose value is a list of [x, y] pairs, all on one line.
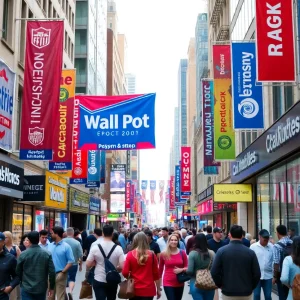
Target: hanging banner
{"points": [[144, 188], [117, 122], [117, 178], [128, 192], [172, 193], [79, 170], [7, 96], [132, 195], [185, 168], [103, 166], [40, 103], [209, 163], [177, 184], [152, 191], [63, 124], [275, 41], [93, 175], [224, 137], [247, 96], [161, 190]]}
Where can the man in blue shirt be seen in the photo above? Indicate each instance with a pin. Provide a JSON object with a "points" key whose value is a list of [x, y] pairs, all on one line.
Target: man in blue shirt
{"points": [[63, 260], [122, 239]]}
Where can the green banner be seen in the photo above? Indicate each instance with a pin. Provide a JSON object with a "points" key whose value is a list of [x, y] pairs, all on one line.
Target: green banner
{"points": [[78, 201]]}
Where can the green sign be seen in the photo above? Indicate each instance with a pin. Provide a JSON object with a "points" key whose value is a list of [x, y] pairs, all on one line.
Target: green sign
{"points": [[115, 217], [78, 201]]}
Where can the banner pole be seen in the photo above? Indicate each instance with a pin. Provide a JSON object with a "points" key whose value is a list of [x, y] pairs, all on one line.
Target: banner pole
{"points": [[34, 19]]}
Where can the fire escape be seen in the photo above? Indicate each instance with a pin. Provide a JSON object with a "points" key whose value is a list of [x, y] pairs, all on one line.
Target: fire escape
{"points": [[216, 11]]}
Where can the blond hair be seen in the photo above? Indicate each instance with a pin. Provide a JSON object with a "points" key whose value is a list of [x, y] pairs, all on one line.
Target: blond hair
{"points": [[8, 235], [167, 252], [140, 243]]}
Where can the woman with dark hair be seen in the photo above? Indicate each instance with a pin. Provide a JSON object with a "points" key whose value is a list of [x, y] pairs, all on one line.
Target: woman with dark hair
{"points": [[115, 238], [130, 241], [199, 259], [24, 243], [291, 267]]}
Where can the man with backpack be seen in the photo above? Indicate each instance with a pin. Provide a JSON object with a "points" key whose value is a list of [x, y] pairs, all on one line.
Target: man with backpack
{"points": [[108, 260], [281, 249]]}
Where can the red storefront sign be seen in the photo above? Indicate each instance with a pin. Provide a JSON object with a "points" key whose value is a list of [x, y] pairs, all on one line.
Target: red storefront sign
{"points": [[127, 195], [275, 40], [185, 169], [205, 207]]}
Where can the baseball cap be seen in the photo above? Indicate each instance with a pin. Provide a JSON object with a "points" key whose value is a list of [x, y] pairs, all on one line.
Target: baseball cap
{"points": [[2, 237], [217, 229], [264, 233]]}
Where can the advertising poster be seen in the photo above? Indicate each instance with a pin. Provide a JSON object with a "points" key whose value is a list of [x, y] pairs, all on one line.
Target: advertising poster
{"points": [[63, 124], [79, 170], [117, 122], [7, 93], [117, 178], [78, 201], [177, 184], [247, 95], [224, 137], [93, 176], [185, 169], [275, 41], [128, 193], [209, 163], [94, 205], [40, 103], [117, 203]]}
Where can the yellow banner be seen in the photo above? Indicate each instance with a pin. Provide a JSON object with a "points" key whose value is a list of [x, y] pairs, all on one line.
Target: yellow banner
{"points": [[232, 192], [56, 191]]}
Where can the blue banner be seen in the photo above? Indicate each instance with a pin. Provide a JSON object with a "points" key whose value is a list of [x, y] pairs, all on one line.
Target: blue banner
{"points": [[144, 184], [117, 122], [152, 184], [177, 184], [93, 174], [248, 108], [102, 166], [94, 205]]}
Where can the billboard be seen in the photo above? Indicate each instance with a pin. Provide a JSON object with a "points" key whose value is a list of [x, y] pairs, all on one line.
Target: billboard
{"points": [[43, 56], [117, 178], [247, 95], [93, 175], [7, 96], [224, 137]]}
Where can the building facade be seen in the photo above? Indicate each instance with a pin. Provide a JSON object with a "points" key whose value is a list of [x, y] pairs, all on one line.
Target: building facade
{"points": [[131, 83]]}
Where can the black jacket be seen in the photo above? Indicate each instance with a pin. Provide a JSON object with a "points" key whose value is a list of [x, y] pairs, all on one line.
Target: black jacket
{"points": [[8, 276], [236, 270]]}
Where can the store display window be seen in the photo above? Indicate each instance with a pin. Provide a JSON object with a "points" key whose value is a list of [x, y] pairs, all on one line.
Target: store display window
{"points": [[61, 219]]}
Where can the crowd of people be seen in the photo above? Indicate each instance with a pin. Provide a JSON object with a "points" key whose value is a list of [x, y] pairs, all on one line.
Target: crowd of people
{"points": [[45, 265]]}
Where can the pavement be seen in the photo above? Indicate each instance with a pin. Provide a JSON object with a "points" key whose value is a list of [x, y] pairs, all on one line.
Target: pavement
{"points": [[186, 296]]}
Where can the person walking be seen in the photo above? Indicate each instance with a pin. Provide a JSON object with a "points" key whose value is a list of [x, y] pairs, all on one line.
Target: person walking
{"points": [[163, 240], [235, 268], [63, 260], [281, 249], [44, 242], [8, 277], [88, 242], [122, 239], [77, 253], [172, 262], [34, 268], [115, 254], [200, 258], [209, 232], [291, 267], [264, 253], [142, 265], [216, 242], [152, 244], [191, 241]]}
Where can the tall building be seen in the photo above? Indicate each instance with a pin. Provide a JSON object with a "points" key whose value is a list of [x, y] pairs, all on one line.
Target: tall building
{"points": [[182, 105], [90, 47], [131, 83]]}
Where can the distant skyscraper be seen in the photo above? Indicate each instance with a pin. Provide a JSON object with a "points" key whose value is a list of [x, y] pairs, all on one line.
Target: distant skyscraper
{"points": [[131, 80]]}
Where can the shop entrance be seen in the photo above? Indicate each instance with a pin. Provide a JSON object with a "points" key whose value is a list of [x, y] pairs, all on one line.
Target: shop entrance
{"points": [[78, 221]]}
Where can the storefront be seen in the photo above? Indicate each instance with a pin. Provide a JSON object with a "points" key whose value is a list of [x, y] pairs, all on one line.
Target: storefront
{"points": [[79, 204], [94, 213], [272, 165]]}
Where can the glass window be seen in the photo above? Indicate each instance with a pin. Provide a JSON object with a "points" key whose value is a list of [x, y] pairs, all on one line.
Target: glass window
{"points": [[263, 199], [81, 12], [288, 97], [277, 105]]}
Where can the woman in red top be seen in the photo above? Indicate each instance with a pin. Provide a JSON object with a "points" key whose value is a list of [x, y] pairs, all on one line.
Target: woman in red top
{"points": [[142, 265], [173, 261]]}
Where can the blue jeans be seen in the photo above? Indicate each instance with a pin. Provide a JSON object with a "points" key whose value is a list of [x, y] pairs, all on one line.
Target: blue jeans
{"points": [[198, 294], [29, 296], [266, 285], [283, 290], [4, 296], [174, 293]]}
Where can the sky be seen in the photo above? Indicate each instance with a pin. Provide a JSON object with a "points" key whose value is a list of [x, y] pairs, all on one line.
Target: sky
{"points": [[158, 34]]}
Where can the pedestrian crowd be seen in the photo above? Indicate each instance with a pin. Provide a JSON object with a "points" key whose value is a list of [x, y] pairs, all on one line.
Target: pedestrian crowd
{"points": [[45, 265]]}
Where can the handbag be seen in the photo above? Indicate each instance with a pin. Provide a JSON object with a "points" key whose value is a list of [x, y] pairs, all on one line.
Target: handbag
{"points": [[86, 290], [204, 280], [126, 290], [182, 277]]}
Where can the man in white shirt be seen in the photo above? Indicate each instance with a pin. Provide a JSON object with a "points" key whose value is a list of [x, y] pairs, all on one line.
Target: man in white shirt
{"points": [[101, 288], [264, 252], [44, 242], [162, 241]]}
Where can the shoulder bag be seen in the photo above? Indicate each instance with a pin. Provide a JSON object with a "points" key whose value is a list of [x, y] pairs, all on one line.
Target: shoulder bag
{"points": [[182, 277], [204, 280]]}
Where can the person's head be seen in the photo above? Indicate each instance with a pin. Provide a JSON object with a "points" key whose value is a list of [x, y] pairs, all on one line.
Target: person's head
{"points": [[8, 238], [172, 244], [91, 232], [171, 230], [177, 234], [131, 236], [97, 232], [281, 231], [194, 231], [34, 237], [57, 233], [25, 241], [43, 236], [204, 229], [296, 251], [70, 232], [122, 230], [236, 232], [108, 231], [140, 243], [76, 233], [291, 232], [209, 229], [183, 233], [264, 237], [115, 237], [248, 236], [134, 228], [2, 241], [117, 176], [244, 233], [217, 232], [165, 232], [155, 232], [149, 235]]}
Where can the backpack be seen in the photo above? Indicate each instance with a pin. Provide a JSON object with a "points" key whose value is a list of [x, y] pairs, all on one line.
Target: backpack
{"points": [[296, 287], [112, 275], [286, 251]]}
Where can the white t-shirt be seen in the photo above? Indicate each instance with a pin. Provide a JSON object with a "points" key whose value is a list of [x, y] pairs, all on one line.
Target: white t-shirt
{"points": [[117, 257]]}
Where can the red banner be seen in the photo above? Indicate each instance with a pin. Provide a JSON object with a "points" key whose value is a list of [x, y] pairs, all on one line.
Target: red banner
{"points": [[79, 171], [172, 193], [127, 194], [43, 65], [185, 169], [275, 40]]}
